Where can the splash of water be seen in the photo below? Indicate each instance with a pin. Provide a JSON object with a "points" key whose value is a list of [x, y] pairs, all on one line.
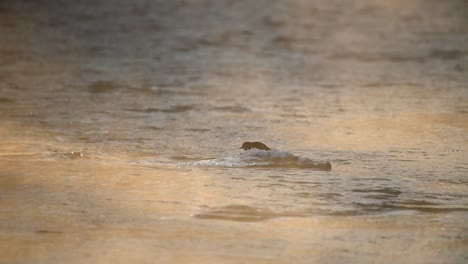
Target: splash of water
{"points": [[263, 158]]}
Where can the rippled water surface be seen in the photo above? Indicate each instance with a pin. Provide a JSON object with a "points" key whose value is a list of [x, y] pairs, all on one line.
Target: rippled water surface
{"points": [[120, 128]]}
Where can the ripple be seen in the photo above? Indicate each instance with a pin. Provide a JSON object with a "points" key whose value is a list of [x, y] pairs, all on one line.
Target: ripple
{"points": [[369, 57], [6, 100], [388, 191], [448, 54], [233, 109], [426, 209], [172, 109], [102, 87], [373, 179], [49, 232], [242, 213]]}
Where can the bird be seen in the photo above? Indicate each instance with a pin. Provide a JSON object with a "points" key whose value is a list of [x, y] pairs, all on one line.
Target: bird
{"points": [[256, 145]]}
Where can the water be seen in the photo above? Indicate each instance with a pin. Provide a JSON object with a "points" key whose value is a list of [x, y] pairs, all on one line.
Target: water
{"points": [[121, 125]]}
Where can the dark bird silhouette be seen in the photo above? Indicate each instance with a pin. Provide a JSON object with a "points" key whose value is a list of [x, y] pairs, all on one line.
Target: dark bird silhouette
{"points": [[257, 145]]}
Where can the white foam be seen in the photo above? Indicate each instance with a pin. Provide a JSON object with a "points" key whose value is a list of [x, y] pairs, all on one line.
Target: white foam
{"points": [[225, 162], [257, 158]]}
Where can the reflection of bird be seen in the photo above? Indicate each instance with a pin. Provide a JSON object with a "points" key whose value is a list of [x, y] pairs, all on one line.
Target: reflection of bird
{"points": [[257, 145]]}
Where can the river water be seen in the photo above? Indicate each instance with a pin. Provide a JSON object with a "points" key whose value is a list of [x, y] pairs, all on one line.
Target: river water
{"points": [[121, 123]]}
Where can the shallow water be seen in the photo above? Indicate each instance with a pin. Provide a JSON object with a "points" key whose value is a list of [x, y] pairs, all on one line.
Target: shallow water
{"points": [[121, 126]]}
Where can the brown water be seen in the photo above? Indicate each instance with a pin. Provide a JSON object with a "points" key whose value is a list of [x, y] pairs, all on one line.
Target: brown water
{"points": [[121, 122]]}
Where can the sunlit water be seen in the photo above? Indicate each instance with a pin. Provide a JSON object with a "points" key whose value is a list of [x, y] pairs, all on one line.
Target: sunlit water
{"points": [[121, 126]]}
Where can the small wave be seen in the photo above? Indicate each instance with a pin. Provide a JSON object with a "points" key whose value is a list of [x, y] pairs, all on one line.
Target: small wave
{"points": [[448, 54], [243, 213], [6, 100], [262, 158], [103, 87], [386, 191], [172, 109], [233, 109]]}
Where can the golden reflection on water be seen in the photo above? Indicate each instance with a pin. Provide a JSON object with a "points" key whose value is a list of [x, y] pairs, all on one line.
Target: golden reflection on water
{"points": [[104, 211], [372, 133], [84, 210]]}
